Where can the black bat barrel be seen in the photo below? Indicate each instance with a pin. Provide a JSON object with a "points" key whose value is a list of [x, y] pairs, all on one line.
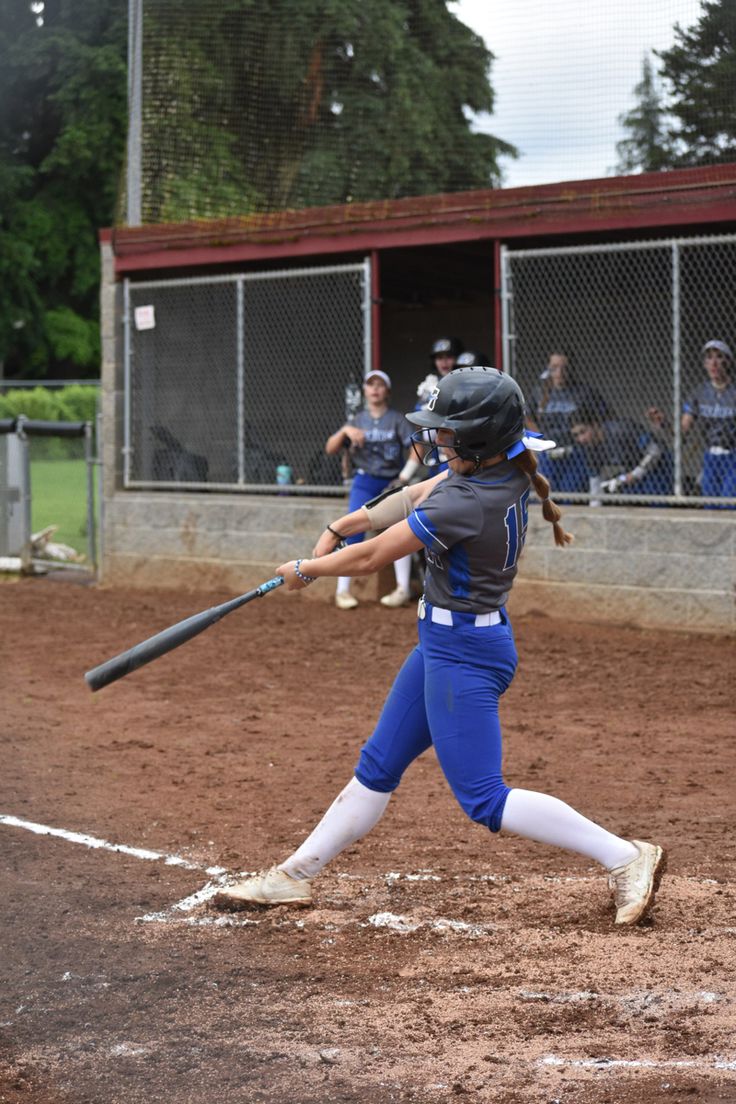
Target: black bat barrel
{"points": [[121, 665]]}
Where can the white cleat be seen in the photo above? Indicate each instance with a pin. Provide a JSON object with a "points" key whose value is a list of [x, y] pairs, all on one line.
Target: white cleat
{"points": [[398, 597], [634, 885], [269, 887], [345, 600]]}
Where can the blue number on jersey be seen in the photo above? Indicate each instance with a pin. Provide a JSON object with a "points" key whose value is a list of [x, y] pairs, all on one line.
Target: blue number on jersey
{"points": [[516, 521]]}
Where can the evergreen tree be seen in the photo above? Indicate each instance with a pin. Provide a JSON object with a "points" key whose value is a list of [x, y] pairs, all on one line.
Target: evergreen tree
{"points": [[701, 71], [647, 147]]}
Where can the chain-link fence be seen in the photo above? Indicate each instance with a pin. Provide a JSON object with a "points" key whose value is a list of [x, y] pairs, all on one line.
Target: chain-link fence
{"points": [[236, 382], [608, 345]]}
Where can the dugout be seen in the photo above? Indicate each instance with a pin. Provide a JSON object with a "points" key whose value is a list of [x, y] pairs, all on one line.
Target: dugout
{"points": [[228, 347]]}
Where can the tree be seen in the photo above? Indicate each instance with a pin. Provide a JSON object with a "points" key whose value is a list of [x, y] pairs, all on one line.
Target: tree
{"points": [[297, 103], [248, 106], [701, 71], [647, 148], [62, 134]]}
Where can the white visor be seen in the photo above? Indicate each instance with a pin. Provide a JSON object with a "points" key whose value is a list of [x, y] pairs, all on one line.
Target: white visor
{"points": [[532, 441]]}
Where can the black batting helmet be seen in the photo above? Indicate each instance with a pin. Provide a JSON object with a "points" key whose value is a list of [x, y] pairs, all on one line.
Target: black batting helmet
{"points": [[482, 407], [470, 359], [446, 346]]}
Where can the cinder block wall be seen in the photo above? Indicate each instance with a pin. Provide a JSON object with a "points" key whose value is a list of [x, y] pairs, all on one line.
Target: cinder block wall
{"points": [[655, 568], [660, 568]]}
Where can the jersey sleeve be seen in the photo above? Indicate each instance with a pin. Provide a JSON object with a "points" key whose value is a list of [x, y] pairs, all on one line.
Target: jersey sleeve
{"points": [[691, 404], [449, 515]]}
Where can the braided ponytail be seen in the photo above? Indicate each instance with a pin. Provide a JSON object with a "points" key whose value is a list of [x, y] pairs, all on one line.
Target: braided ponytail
{"points": [[551, 512]]}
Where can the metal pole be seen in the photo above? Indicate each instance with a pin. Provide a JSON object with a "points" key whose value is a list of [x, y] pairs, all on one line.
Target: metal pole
{"points": [[126, 382], [25, 496], [676, 367], [91, 529], [135, 105], [240, 383], [367, 316], [100, 492], [505, 311]]}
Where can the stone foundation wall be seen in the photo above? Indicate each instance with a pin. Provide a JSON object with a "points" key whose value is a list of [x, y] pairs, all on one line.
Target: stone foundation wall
{"points": [[657, 568]]}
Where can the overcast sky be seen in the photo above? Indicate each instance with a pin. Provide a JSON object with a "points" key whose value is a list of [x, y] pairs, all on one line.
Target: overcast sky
{"points": [[564, 71]]}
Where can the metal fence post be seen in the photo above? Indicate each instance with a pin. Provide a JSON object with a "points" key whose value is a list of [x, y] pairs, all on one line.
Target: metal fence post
{"points": [[676, 369], [367, 316], [25, 495], [91, 528], [505, 311], [100, 492], [240, 381]]}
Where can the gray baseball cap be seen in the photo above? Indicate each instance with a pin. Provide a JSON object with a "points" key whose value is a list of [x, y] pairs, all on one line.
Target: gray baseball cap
{"points": [[721, 346]]}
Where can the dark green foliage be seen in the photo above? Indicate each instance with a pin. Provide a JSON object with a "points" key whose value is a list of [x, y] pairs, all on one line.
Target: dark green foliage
{"points": [[693, 122], [249, 105], [298, 103], [62, 134], [75, 403], [701, 71]]}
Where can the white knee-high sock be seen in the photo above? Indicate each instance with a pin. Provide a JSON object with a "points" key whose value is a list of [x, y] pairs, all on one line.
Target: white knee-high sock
{"points": [[343, 584], [350, 816], [402, 571], [546, 819]]}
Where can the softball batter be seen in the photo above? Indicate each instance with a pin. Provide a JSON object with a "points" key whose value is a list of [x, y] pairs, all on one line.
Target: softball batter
{"points": [[471, 522]]}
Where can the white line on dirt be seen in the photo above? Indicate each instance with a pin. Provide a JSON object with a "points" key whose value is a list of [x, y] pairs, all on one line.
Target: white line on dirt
{"points": [[638, 1063], [104, 845]]}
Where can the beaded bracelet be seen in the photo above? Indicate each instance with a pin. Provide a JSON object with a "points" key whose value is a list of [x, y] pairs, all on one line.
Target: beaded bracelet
{"points": [[304, 578], [334, 532]]}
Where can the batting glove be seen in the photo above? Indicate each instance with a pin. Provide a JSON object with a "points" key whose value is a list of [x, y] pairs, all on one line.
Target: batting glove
{"points": [[613, 486]]}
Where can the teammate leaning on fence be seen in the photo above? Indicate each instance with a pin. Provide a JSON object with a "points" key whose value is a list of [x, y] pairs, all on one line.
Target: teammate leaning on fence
{"points": [[471, 521]]}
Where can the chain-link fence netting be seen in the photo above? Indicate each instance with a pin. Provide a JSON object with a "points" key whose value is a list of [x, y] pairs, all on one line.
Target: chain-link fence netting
{"points": [[624, 353], [259, 109], [237, 381]]}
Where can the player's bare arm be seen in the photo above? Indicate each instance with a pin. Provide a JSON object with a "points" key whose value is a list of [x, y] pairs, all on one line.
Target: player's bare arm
{"points": [[355, 559]]}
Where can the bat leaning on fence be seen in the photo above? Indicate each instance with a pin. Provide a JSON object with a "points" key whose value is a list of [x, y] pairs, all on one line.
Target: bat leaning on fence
{"points": [[121, 665]]}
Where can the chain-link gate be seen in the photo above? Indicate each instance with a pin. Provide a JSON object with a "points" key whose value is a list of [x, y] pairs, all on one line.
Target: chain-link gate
{"points": [[236, 382], [608, 344]]}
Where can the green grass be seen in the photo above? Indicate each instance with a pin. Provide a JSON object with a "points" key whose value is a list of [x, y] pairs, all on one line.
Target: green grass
{"points": [[59, 497]]}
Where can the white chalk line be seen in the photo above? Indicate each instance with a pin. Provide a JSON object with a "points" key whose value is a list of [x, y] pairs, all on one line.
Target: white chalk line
{"points": [[105, 845], [716, 1063], [386, 920]]}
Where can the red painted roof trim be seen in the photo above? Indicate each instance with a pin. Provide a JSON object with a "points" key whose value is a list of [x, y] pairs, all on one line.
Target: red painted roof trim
{"points": [[681, 198]]}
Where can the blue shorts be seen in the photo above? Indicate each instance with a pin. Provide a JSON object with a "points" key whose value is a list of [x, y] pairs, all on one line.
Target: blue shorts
{"points": [[719, 477], [363, 489], [446, 696]]}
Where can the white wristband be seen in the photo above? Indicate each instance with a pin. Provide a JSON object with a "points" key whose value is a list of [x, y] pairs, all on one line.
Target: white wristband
{"points": [[410, 468]]}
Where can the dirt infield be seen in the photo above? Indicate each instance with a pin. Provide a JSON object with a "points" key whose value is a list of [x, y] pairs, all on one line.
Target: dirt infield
{"points": [[439, 963]]}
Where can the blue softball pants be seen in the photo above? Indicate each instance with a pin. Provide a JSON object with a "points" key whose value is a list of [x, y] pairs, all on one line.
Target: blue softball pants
{"points": [[362, 489], [446, 696]]}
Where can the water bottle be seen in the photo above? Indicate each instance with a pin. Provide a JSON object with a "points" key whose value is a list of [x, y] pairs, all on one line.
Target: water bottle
{"points": [[283, 477]]}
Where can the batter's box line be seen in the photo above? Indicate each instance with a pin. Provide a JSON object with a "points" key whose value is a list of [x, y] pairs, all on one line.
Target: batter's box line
{"points": [[713, 1064], [104, 845]]}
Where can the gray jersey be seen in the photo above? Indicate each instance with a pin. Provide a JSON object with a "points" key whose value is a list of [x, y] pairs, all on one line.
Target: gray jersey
{"points": [[717, 408], [473, 530], [386, 441]]}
